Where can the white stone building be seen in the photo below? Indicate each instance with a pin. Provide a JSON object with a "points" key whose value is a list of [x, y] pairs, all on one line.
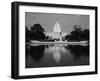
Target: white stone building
{"points": [[56, 34]]}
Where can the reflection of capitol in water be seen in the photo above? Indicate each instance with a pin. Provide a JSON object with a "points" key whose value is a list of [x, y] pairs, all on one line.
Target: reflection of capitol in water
{"points": [[56, 55], [57, 34], [57, 52]]}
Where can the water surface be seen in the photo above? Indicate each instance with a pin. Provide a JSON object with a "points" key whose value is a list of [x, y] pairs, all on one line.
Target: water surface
{"points": [[56, 55]]}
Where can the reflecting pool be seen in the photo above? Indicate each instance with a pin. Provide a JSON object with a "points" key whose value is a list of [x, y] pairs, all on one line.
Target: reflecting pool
{"points": [[56, 55]]}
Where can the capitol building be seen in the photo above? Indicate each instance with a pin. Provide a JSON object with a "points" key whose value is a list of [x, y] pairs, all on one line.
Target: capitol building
{"points": [[56, 34]]}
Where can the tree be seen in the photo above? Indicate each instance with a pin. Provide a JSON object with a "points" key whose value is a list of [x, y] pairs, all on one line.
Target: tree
{"points": [[27, 34], [78, 34], [85, 34], [68, 37], [37, 32]]}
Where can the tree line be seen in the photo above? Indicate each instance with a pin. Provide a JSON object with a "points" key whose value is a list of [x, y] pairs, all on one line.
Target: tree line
{"points": [[37, 32], [78, 34]]}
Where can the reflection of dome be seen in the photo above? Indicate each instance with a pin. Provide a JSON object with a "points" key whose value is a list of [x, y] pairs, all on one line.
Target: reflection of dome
{"points": [[57, 56], [56, 52]]}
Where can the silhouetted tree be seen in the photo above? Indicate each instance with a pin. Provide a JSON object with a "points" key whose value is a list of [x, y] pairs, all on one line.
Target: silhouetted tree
{"points": [[78, 34], [37, 32], [27, 34], [68, 37], [85, 34]]}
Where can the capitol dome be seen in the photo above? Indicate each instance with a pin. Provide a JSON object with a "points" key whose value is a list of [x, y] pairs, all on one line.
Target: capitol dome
{"points": [[57, 28], [57, 34]]}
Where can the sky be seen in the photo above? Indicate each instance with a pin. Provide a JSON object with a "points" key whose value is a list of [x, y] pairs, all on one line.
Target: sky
{"points": [[48, 20]]}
